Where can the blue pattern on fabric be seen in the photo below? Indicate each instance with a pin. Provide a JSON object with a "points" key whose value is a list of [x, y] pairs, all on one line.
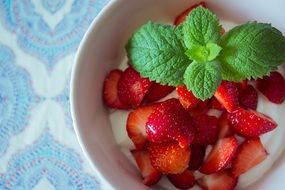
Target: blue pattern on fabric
{"points": [[16, 97], [46, 159]]}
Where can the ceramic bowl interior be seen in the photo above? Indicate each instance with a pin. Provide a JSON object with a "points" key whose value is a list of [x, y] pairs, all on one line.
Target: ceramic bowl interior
{"points": [[102, 50]]}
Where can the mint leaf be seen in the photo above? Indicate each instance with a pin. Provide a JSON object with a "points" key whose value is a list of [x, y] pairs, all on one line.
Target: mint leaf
{"points": [[203, 53], [157, 51], [251, 50], [201, 27], [203, 78]]}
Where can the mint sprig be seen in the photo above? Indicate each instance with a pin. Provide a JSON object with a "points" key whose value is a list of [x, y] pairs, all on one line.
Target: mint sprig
{"points": [[195, 53]]}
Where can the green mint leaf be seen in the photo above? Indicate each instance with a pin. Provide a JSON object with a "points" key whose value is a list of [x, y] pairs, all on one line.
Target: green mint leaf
{"points": [[251, 50], [203, 78], [157, 51], [203, 53], [201, 27]]}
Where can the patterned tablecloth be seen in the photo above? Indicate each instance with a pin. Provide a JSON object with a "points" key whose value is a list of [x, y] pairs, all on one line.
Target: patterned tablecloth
{"points": [[38, 146]]}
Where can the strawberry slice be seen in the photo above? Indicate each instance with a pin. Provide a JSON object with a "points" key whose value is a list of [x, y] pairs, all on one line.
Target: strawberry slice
{"points": [[273, 87], [180, 18], [248, 98], [227, 95], [150, 175], [220, 156], [250, 123], [224, 126], [218, 181], [186, 98], [136, 124], [110, 90], [215, 104], [197, 156], [206, 130], [132, 87], [170, 121], [169, 157], [184, 180], [249, 154], [157, 91]]}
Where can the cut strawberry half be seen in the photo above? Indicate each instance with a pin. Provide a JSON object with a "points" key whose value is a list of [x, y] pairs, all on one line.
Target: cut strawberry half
{"points": [[218, 181], [169, 157], [227, 95], [184, 180], [206, 129], [248, 98], [136, 125], [157, 92], [273, 87], [220, 156], [170, 121], [224, 126], [110, 90], [186, 98], [249, 154], [150, 175], [180, 18], [197, 156], [132, 87], [250, 123]]}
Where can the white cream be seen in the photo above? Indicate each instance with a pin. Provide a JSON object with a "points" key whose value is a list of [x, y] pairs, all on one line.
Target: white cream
{"points": [[273, 141]]}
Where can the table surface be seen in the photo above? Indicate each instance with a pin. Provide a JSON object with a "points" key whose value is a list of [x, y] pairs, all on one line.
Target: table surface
{"points": [[38, 145]]}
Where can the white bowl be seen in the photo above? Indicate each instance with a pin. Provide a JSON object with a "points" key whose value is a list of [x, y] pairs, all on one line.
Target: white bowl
{"points": [[102, 49]]}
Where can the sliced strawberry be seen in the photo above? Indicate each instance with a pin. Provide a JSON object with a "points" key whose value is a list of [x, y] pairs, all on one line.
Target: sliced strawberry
{"points": [[170, 121], [220, 156], [250, 123], [248, 98], [180, 18], [215, 104], [227, 95], [110, 90], [273, 87], [201, 109], [206, 129], [224, 126], [150, 175], [169, 157], [157, 91], [184, 180], [136, 124], [132, 87], [218, 181], [186, 98], [249, 154], [197, 156]]}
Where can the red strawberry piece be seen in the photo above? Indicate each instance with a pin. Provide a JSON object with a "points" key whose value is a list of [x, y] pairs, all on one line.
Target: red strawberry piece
{"points": [[186, 98], [201, 109], [220, 156], [273, 87], [227, 95], [215, 104], [249, 154], [180, 18], [110, 90], [197, 156], [248, 98], [136, 124], [170, 121], [224, 126], [218, 181], [250, 123], [169, 157], [206, 129], [184, 180], [157, 91], [132, 87], [150, 175]]}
